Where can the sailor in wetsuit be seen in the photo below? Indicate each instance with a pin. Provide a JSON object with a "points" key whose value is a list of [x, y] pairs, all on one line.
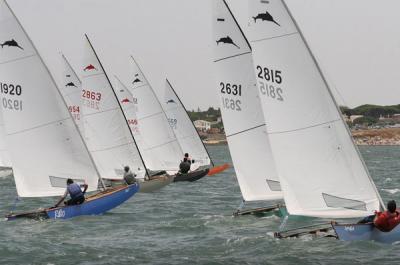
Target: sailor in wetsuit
{"points": [[184, 166], [75, 192], [129, 177]]}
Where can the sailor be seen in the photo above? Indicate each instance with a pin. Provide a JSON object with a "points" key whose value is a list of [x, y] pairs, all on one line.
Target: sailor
{"points": [[191, 161], [184, 166], [129, 177], [389, 219], [75, 192]]}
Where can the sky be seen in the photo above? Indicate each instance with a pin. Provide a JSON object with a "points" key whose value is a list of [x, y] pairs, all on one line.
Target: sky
{"points": [[356, 43]]}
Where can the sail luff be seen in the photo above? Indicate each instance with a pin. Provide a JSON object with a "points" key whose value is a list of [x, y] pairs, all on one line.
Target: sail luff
{"points": [[134, 140], [116, 98], [335, 103], [322, 173], [155, 95], [77, 127], [241, 109], [187, 115]]}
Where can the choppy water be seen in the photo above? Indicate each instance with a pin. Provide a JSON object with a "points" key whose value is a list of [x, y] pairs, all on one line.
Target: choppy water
{"points": [[187, 223]]}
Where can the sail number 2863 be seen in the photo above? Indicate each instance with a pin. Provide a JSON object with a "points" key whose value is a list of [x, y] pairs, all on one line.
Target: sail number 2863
{"points": [[11, 90]]}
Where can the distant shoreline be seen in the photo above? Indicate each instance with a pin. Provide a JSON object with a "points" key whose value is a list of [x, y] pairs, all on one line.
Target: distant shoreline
{"points": [[364, 137]]}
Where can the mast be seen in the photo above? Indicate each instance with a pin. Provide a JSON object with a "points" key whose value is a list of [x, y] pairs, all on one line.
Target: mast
{"points": [[173, 90], [335, 103], [76, 126], [158, 101], [134, 140], [55, 84], [115, 95]]}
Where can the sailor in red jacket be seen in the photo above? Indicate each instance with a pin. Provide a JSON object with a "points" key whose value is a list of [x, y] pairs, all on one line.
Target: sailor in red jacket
{"points": [[389, 219]]}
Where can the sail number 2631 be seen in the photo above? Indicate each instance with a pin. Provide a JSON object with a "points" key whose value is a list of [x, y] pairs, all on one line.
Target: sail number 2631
{"points": [[230, 93], [11, 90]]}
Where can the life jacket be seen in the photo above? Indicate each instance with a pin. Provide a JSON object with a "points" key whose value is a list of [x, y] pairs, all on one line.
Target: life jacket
{"points": [[387, 221], [74, 190]]}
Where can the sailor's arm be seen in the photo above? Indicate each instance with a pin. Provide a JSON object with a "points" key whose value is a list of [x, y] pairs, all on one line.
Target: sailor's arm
{"points": [[62, 198]]}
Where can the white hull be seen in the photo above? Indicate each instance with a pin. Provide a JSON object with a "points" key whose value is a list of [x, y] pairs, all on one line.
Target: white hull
{"points": [[155, 184]]}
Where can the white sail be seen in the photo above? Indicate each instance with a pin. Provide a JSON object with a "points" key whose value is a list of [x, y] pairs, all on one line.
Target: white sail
{"points": [[129, 107], [320, 169], [185, 132], [241, 109], [106, 131], [41, 136], [153, 123], [5, 160], [71, 90]]}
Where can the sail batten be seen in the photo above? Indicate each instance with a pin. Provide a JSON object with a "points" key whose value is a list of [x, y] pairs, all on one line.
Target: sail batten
{"points": [[241, 109], [321, 171]]}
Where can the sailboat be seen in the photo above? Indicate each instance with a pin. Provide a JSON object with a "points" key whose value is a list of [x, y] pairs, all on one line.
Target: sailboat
{"points": [[186, 133], [45, 145], [107, 129], [321, 171], [156, 179], [161, 140], [241, 111]]}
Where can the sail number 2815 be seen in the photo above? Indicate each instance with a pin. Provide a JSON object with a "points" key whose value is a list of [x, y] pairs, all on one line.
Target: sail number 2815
{"points": [[269, 82]]}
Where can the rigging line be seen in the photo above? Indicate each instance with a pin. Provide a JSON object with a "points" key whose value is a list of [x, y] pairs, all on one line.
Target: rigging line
{"points": [[39, 126], [149, 116], [305, 128], [276, 37], [247, 130], [112, 147], [134, 88], [233, 56], [153, 147], [100, 112], [92, 75], [18, 59]]}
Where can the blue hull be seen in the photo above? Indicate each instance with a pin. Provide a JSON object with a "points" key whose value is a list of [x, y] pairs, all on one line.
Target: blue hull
{"points": [[93, 205], [356, 232]]}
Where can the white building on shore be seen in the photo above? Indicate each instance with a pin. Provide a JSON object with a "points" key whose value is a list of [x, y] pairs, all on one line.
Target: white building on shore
{"points": [[202, 125]]}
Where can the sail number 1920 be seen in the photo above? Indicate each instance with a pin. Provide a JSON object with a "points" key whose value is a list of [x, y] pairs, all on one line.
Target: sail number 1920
{"points": [[11, 90]]}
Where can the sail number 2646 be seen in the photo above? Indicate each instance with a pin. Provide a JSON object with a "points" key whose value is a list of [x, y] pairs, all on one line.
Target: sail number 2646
{"points": [[11, 90], [269, 82]]}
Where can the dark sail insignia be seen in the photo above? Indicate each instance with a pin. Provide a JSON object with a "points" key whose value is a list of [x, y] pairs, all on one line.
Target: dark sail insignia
{"points": [[11, 43], [137, 80], [265, 17], [171, 101], [221, 19], [227, 40], [71, 84]]}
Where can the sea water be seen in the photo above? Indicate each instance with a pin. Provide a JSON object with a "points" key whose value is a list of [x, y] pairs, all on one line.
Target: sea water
{"points": [[187, 223]]}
